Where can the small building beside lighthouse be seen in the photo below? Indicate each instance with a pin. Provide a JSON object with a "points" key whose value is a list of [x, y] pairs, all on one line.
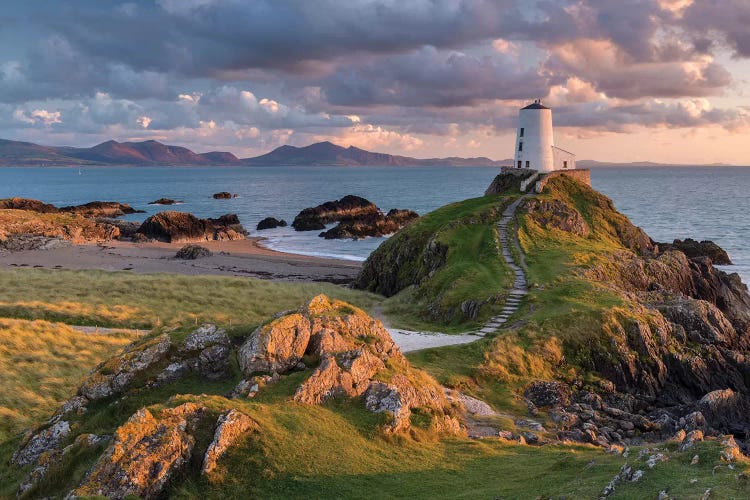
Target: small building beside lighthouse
{"points": [[535, 147]]}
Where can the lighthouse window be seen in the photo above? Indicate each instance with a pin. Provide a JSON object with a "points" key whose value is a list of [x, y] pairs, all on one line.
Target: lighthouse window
{"points": [[520, 146], [528, 164], [565, 164], [519, 163], [521, 132]]}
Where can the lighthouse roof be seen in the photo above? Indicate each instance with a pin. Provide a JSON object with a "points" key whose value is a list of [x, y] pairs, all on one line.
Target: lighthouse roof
{"points": [[536, 105]]}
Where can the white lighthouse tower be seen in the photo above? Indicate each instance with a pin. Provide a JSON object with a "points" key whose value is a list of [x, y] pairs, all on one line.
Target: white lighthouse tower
{"points": [[535, 147]]}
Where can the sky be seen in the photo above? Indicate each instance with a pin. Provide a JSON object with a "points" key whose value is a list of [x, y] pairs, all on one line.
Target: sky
{"points": [[628, 80]]}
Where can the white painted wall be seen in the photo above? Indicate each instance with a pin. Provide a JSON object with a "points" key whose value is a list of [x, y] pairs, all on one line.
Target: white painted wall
{"points": [[537, 140], [560, 157]]}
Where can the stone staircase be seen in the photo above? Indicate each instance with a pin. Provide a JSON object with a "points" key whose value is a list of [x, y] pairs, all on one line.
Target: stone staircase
{"points": [[520, 287]]}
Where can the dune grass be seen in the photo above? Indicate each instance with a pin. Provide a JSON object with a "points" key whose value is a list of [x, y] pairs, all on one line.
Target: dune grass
{"points": [[41, 364], [120, 299]]}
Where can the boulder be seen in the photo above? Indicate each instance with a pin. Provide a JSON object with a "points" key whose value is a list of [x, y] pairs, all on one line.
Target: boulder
{"points": [[213, 349], [109, 209], [41, 442], [164, 201], [726, 410], [275, 347], [232, 426], [179, 227], [224, 195], [270, 223], [347, 208], [115, 375], [371, 225], [691, 438], [146, 452], [193, 252]]}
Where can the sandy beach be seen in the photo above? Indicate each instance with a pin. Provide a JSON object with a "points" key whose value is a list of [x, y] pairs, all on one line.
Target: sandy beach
{"points": [[230, 258]]}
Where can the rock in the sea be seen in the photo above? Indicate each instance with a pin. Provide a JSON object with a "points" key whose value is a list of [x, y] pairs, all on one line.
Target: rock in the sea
{"points": [[276, 346], [27, 204], [232, 426], [108, 209], [146, 452], [224, 195], [193, 252], [270, 223], [693, 249], [347, 208], [164, 201], [371, 225], [179, 227]]}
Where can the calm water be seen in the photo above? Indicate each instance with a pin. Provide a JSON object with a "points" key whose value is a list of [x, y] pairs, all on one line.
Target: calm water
{"points": [[705, 203]]}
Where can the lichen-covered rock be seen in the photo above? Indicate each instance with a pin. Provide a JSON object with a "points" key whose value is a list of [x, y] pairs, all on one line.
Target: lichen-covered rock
{"points": [[145, 454], [27, 204], [52, 457], [41, 442], [691, 438], [381, 397], [232, 426], [276, 346], [113, 376], [727, 410], [346, 374], [371, 225]]}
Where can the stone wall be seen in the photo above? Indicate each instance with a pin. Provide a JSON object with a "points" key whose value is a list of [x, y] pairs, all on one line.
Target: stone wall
{"points": [[580, 174]]}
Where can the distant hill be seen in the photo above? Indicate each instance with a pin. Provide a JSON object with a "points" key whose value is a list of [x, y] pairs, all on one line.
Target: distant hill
{"points": [[327, 153], [604, 164]]}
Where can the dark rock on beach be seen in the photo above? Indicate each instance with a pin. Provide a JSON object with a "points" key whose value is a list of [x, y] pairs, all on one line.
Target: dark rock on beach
{"points": [[371, 225], [224, 195], [271, 223], [177, 227], [193, 252], [347, 208]]}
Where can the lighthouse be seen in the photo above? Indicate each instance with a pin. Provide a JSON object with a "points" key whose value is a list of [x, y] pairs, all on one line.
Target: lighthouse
{"points": [[535, 148]]}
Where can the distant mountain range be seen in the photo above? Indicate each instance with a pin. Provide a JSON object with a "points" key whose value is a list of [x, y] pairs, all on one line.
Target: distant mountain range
{"points": [[15, 153], [146, 153]]}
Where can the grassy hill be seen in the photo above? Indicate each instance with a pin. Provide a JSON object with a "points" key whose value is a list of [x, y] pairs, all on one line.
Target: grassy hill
{"points": [[599, 323]]}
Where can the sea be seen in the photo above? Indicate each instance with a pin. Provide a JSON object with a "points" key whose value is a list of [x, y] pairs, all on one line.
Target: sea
{"points": [[668, 202]]}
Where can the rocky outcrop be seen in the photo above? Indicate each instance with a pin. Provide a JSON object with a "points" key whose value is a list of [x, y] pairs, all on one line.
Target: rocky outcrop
{"points": [[146, 452], [275, 347], [207, 350], [371, 225], [115, 375], [224, 195], [108, 209], [181, 227], [693, 249], [43, 441], [270, 223], [193, 252], [347, 208], [556, 214], [509, 181], [355, 352], [24, 224], [164, 201], [24, 242], [27, 204], [232, 426]]}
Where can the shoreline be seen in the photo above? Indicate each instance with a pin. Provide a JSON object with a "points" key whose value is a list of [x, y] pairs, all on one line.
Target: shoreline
{"points": [[230, 258]]}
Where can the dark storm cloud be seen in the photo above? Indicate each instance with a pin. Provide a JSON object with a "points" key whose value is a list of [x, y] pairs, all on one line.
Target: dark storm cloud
{"points": [[727, 19], [429, 77]]}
